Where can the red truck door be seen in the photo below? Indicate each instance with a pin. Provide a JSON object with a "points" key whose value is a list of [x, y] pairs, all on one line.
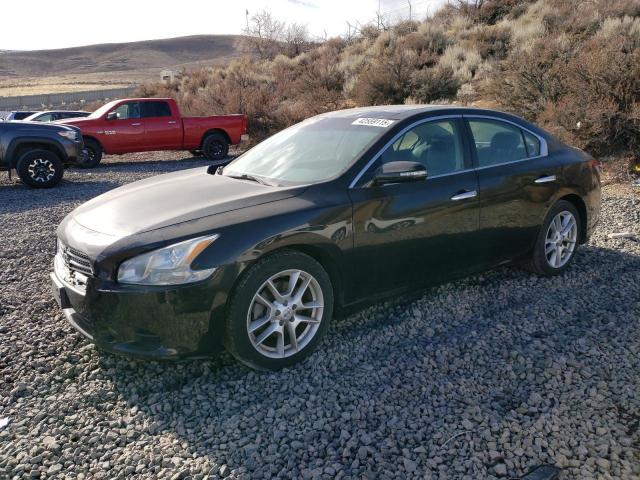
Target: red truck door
{"points": [[125, 132], [163, 128]]}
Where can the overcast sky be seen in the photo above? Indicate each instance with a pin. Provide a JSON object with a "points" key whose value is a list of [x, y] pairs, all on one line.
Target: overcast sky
{"points": [[45, 24]]}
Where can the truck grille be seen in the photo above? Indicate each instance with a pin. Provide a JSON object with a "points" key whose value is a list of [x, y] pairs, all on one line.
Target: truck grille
{"points": [[76, 261]]}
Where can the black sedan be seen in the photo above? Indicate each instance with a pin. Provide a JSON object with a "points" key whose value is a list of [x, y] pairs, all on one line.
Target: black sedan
{"points": [[335, 212]]}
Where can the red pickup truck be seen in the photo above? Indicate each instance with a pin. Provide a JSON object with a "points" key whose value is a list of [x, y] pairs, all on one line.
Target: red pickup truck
{"points": [[147, 124]]}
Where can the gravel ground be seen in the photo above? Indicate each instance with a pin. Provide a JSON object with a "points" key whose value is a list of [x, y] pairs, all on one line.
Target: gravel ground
{"points": [[481, 378]]}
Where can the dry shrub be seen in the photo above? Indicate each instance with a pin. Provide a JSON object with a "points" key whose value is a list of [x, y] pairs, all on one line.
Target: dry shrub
{"points": [[431, 84], [529, 80], [492, 42], [588, 94], [561, 63], [463, 61], [488, 12]]}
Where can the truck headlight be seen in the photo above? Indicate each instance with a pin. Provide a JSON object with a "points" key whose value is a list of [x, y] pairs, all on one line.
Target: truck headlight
{"points": [[70, 134], [168, 265]]}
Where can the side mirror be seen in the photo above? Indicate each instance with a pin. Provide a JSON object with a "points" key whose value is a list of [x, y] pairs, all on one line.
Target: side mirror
{"points": [[399, 172], [112, 116]]}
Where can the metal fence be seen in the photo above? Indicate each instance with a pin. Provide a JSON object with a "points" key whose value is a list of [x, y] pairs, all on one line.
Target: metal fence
{"points": [[53, 100]]}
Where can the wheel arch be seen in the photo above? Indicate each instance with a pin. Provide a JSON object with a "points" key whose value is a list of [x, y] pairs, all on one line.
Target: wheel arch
{"points": [[325, 255], [581, 206], [215, 130], [19, 146], [94, 139]]}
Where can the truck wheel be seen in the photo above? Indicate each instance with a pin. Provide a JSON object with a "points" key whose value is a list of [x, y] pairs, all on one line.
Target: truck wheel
{"points": [[40, 168], [215, 147], [93, 154]]}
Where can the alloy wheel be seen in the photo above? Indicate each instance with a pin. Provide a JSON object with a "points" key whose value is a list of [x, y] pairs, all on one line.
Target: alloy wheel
{"points": [[285, 313], [560, 241], [41, 170]]}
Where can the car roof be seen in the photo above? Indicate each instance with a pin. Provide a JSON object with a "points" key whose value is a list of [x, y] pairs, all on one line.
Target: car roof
{"points": [[401, 112], [62, 111]]}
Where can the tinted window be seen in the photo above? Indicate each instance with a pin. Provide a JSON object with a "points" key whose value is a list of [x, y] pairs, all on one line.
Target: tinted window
{"points": [[533, 144], [497, 142], [21, 115], [437, 145], [155, 109], [128, 110]]}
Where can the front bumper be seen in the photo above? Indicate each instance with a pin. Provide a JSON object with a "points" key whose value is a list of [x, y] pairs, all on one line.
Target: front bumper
{"points": [[143, 322], [74, 151]]}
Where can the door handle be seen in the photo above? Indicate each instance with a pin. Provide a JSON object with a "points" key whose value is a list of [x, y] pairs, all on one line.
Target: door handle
{"points": [[465, 195], [135, 124], [172, 122], [547, 179]]}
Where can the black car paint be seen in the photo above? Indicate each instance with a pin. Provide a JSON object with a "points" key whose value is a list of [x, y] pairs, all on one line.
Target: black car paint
{"points": [[420, 238]]}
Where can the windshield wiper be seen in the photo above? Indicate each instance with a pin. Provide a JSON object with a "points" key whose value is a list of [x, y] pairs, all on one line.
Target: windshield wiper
{"points": [[251, 178]]}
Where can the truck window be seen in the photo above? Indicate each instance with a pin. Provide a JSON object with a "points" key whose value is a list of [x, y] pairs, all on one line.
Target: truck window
{"points": [[155, 109], [128, 110]]}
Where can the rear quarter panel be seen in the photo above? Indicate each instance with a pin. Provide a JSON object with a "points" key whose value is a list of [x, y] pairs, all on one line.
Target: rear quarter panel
{"points": [[582, 177], [196, 127]]}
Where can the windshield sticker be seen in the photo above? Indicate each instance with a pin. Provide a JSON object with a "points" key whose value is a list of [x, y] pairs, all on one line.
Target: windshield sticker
{"points": [[373, 122]]}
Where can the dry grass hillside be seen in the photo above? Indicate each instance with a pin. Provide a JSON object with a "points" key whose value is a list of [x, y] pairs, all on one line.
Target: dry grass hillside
{"points": [[573, 67], [108, 65]]}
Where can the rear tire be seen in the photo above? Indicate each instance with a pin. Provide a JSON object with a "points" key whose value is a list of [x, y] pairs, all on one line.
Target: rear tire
{"points": [[303, 311], [40, 169], [557, 240], [215, 147], [93, 152]]}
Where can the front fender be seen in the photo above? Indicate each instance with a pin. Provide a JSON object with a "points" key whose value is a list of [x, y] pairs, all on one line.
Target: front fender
{"points": [[15, 144]]}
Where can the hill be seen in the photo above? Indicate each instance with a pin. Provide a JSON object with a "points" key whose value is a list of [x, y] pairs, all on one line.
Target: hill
{"points": [[109, 64]]}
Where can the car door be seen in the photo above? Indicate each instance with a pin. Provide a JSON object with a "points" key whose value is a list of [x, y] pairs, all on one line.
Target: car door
{"points": [[410, 234], [162, 130], [516, 180], [124, 133]]}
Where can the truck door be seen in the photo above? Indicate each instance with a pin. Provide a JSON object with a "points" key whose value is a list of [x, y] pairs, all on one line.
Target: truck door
{"points": [[162, 130], [124, 133]]}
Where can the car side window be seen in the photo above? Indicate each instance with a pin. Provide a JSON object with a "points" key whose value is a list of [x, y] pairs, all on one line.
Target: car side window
{"points": [[532, 143], [47, 117], [155, 109], [500, 142], [128, 110], [437, 145]]}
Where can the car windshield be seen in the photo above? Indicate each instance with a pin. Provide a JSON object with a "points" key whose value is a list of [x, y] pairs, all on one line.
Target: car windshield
{"points": [[103, 110], [316, 150]]}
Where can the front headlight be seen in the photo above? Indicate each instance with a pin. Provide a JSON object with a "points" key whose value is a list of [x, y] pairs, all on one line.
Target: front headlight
{"points": [[70, 134], [167, 266]]}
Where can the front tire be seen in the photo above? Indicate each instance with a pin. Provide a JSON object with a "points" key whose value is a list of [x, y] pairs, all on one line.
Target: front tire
{"points": [[279, 311], [557, 240], [93, 154], [40, 169], [215, 147]]}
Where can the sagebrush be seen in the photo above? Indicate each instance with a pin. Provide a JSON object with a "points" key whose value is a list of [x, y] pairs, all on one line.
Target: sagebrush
{"points": [[573, 67]]}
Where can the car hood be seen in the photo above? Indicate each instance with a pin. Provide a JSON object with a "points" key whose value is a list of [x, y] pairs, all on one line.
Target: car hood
{"points": [[172, 198], [74, 121]]}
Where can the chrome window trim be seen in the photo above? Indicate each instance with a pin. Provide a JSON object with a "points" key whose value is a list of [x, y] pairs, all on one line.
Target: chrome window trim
{"points": [[544, 149], [395, 138]]}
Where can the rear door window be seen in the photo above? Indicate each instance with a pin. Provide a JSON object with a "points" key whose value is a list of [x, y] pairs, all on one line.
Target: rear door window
{"points": [[499, 142], [155, 109]]}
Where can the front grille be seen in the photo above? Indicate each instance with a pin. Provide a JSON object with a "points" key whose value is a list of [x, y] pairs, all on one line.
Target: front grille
{"points": [[76, 261]]}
